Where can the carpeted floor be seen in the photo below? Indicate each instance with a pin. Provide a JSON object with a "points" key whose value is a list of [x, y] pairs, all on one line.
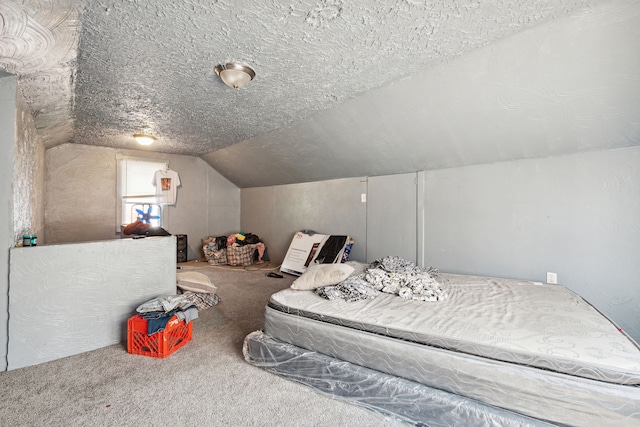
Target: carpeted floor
{"points": [[205, 383]]}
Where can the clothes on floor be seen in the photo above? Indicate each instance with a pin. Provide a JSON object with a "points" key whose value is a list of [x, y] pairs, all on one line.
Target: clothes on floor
{"points": [[202, 301]]}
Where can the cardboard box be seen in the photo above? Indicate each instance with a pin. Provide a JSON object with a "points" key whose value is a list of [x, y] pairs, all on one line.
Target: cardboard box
{"points": [[305, 248]]}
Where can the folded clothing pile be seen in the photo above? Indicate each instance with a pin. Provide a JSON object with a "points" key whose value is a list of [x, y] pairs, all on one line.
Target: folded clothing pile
{"points": [[158, 311]]}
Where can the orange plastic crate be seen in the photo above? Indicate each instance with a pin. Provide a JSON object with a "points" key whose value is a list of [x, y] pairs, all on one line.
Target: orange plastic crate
{"points": [[161, 344]]}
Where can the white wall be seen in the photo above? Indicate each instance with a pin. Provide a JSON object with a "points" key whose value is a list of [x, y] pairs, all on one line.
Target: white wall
{"points": [[575, 215], [72, 298], [28, 175], [391, 196], [8, 87], [327, 207], [81, 196], [22, 188]]}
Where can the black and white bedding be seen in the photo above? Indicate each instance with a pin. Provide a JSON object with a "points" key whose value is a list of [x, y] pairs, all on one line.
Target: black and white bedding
{"points": [[493, 352], [391, 275]]}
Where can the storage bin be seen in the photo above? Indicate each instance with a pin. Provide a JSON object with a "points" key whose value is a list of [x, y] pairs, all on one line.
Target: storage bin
{"points": [[161, 344]]}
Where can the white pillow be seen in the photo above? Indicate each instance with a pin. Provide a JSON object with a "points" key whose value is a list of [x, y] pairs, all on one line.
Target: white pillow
{"points": [[319, 275], [195, 282]]}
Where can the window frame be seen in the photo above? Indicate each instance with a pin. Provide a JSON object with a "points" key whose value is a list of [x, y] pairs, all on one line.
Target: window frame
{"points": [[120, 196]]}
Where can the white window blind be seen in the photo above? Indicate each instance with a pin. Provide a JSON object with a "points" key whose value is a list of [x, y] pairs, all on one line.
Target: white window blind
{"points": [[136, 191]]}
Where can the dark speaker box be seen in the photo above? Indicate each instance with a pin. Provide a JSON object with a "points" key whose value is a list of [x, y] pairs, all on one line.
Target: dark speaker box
{"points": [[181, 249]]}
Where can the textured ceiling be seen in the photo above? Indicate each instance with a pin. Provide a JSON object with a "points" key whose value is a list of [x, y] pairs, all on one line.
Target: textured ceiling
{"points": [[150, 64], [96, 72], [38, 42]]}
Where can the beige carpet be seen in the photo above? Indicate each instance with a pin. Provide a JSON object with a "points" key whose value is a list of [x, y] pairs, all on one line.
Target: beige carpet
{"points": [[205, 383]]}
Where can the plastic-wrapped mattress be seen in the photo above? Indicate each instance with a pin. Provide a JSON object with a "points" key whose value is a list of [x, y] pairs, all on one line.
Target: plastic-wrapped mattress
{"points": [[539, 351], [393, 397]]}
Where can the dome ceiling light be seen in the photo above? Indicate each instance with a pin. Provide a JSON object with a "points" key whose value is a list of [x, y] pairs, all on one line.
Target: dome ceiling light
{"points": [[235, 74], [144, 139]]}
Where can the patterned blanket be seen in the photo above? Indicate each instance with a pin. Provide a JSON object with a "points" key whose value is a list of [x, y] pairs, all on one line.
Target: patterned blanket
{"points": [[392, 275]]}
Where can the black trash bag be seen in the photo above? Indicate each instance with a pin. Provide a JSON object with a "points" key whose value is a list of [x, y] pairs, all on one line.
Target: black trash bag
{"points": [[251, 239], [157, 231]]}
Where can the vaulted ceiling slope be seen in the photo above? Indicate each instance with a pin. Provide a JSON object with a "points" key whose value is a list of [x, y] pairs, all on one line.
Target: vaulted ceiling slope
{"points": [[343, 88]]}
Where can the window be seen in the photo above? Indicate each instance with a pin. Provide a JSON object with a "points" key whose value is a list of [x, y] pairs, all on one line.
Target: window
{"points": [[136, 192]]}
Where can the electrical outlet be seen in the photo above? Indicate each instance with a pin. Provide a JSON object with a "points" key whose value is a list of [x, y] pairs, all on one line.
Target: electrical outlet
{"points": [[363, 197], [552, 277]]}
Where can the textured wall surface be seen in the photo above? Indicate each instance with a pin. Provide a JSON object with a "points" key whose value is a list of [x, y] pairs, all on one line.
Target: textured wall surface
{"points": [[8, 88], [391, 196], [575, 215], [81, 196], [329, 207], [28, 178], [68, 299], [22, 177]]}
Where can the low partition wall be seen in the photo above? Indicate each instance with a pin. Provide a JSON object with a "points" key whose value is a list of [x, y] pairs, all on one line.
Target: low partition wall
{"points": [[71, 298]]}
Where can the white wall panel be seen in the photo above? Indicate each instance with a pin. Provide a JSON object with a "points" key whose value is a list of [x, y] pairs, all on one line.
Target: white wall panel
{"points": [[68, 299], [391, 216], [327, 207], [81, 196], [574, 215], [8, 87]]}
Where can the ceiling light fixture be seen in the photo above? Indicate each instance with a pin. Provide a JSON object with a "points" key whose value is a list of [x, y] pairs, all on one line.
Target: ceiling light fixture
{"points": [[235, 74], [144, 139]]}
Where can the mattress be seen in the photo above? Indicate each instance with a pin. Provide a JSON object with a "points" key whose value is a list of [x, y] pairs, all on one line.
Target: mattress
{"points": [[536, 350], [398, 400]]}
